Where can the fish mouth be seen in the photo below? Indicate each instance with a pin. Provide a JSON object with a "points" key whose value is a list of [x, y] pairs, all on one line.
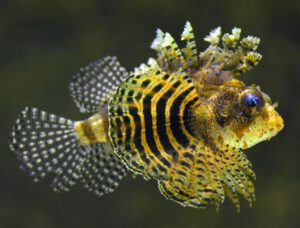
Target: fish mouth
{"points": [[274, 122], [277, 122]]}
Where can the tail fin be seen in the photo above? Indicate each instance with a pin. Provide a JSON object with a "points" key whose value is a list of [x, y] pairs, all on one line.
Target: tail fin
{"points": [[46, 143]]}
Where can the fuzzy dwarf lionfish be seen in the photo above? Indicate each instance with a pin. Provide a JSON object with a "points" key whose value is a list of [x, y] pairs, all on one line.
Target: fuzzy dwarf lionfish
{"points": [[183, 119]]}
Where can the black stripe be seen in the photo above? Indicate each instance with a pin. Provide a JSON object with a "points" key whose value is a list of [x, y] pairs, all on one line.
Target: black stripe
{"points": [[170, 194], [161, 123], [189, 156], [181, 173], [121, 92], [176, 84], [184, 194], [118, 130], [130, 93], [180, 181], [149, 125], [133, 111], [154, 170], [161, 168], [185, 164], [175, 119], [145, 83], [166, 76], [186, 115], [126, 121]]}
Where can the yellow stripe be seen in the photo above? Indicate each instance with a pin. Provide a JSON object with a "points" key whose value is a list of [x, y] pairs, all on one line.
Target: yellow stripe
{"points": [[177, 92], [145, 92], [156, 99], [187, 99]]}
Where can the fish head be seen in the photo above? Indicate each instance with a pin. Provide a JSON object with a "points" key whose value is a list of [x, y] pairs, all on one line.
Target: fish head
{"points": [[243, 116]]}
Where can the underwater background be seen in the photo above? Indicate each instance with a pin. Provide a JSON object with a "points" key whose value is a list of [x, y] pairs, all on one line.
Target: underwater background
{"points": [[43, 43]]}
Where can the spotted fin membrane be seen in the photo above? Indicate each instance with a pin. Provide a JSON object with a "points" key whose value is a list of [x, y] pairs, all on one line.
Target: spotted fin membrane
{"points": [[102, 171], [46, 143], [95, 83]]}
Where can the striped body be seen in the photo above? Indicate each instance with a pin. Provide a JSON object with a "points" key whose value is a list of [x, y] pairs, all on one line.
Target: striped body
{"points": [[152, 129], [150, 122]]}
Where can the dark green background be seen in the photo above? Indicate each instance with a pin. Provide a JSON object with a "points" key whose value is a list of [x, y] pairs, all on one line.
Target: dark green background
{"points": [[43, 43]]}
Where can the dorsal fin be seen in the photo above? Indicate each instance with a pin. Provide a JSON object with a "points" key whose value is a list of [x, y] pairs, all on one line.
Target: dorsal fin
{"points": [[95, 83], [169, 55], [190, 50]]}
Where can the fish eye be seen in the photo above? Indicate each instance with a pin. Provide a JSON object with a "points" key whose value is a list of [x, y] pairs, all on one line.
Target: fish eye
{"points": [[252, 100]]}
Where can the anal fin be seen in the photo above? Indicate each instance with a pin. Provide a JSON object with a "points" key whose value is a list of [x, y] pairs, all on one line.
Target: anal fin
{"points": [[102, 171]]}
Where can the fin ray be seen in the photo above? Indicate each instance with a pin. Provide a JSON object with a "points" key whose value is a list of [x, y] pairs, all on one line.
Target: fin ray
{"points": [[46, 143], [169, 58], [95, 83], [102, 171], [211, 176]]}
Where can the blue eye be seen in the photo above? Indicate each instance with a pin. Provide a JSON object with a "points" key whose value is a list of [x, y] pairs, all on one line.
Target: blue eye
{"points": [[252, 100]]}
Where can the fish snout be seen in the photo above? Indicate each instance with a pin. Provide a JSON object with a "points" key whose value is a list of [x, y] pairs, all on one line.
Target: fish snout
{"points": [[273, 121]]}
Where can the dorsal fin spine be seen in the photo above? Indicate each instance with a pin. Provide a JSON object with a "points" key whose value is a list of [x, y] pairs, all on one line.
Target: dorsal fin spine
{"points": [[190, 51]]}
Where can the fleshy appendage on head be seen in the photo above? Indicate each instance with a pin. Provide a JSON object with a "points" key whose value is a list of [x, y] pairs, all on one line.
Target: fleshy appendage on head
{"points": [[220, 66], [238, 55]]}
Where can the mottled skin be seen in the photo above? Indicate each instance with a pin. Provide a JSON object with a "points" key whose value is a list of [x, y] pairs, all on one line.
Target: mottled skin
{"points": [[223, 119]]}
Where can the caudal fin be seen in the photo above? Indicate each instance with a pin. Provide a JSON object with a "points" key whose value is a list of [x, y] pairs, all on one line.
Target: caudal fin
{"points": [[46, 143]]}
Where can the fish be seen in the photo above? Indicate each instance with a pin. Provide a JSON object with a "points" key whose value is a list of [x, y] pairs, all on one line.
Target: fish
{"points": [[183, 119]]}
